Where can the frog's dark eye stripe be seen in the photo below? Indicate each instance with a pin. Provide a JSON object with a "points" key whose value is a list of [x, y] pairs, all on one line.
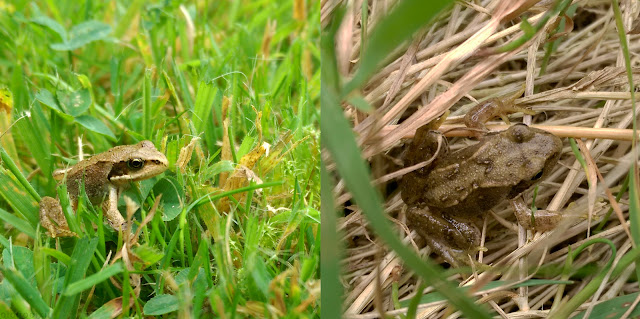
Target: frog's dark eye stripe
{"points": [[135, 163], [537, 176]]}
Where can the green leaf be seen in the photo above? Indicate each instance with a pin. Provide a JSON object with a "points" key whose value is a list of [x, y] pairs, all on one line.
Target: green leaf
{"points": [[148, 254], [172, 197], [217, 168], [161, 304], [198, 277], [76, 102], [588, 290], [93, 124], [46, 98], [51, 24], [613, 308], [146, 103], [82, 34]]}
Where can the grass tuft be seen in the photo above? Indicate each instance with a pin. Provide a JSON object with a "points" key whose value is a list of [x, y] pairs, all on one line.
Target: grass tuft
{"points": [[200, 80], [387, 74]]}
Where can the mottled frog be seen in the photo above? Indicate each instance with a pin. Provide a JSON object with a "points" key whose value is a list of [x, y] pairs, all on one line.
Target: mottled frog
{"points": [[448, 197], [104, 176]]}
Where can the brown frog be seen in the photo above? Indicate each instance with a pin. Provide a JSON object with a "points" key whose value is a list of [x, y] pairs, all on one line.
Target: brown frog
{"points": [[449, 196], [104, 175]]}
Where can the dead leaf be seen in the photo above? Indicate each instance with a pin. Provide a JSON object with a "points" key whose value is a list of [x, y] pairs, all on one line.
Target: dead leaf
{"points": [[185, 154], [242, 175], [6, 100], [225, 152]]}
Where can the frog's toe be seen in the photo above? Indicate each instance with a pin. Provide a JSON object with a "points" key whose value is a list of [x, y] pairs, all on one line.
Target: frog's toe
{"points": [[52, 218], [62, 233], [455, 257], [117, 225]]}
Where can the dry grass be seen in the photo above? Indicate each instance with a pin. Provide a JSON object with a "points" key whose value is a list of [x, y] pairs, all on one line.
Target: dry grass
{"points": [[583, 93]]}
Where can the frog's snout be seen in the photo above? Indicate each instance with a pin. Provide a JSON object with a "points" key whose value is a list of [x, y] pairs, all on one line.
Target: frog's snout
{"points": [[521, 133]]}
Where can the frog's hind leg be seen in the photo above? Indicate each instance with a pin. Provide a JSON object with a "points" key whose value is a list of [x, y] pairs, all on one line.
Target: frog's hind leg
{"points": [[455, 257], [452, 239], [52, 218]]}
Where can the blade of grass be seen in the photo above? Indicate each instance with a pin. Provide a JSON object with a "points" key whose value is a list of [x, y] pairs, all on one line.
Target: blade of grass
{"points": [[339, 140], [18, 199], [22, 225], [406, 18], [331, 252], [146, 105], [585, 293], [634, 208], [84, 284], [80, 259], [26, 290], [18, 175]]}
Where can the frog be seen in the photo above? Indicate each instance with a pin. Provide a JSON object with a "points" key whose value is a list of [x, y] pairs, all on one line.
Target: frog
{"points": [[448, 198], [105, 176]]}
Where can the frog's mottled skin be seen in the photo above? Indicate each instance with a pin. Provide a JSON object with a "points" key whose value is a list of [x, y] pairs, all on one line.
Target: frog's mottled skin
{"points": [[104, 175], [448, 198]]}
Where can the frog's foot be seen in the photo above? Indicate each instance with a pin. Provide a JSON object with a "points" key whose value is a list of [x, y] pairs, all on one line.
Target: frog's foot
{"points": [[541, 220], [455, 257], [452, 239], [480, 114], [115, 220], [426, 144], [52, 218]]}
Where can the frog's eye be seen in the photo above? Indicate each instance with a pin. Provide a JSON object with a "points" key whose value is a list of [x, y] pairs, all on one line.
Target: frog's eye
{"points": [[135, 163], [537, 176]]}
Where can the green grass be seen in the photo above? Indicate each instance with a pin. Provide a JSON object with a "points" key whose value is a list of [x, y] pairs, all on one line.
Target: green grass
{"points": [[114, 73]]}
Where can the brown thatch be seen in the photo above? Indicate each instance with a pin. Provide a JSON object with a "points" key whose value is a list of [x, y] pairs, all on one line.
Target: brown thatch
{"points": [[451, 65]]}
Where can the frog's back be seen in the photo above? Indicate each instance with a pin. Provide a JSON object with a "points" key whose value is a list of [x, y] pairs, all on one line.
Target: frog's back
{"points": [[94, 173], [480, 176], [460, 185], [95, 181]]}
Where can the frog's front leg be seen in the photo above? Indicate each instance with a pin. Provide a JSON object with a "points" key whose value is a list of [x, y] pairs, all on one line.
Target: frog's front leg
{"points": [[52, 218], [114, 218], [541, 221], [451, 238], [427, 145], [480, 114]]}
